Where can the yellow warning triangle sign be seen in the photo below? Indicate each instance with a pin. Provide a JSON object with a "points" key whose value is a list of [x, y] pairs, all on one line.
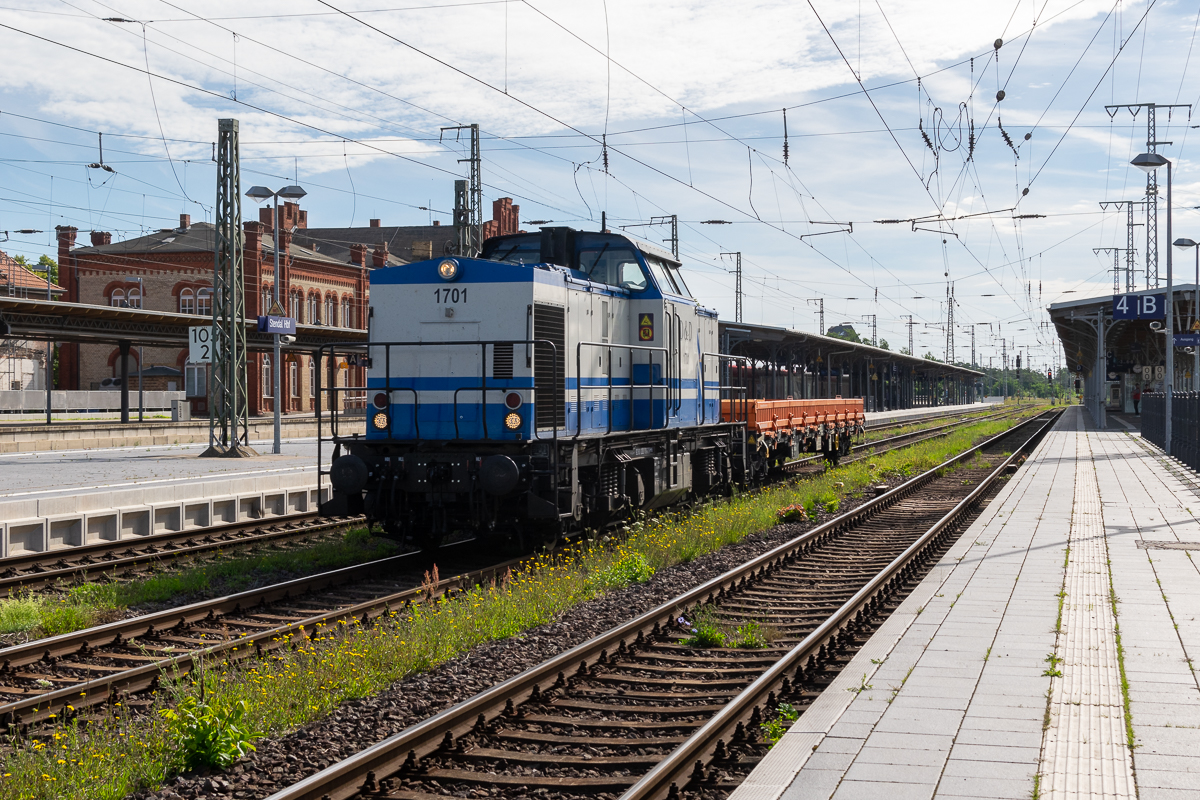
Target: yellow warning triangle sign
{"points": [[646, 320], [1196, 325]]}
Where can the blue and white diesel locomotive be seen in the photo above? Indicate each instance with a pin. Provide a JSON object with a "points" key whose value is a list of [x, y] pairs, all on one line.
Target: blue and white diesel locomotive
{"points": [[563, 379]]}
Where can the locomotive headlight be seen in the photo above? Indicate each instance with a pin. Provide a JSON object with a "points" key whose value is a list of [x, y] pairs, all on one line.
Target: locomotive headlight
{"points": [[512, 401], [448, 269], [380, 421], [512, 421], [380, 400]]}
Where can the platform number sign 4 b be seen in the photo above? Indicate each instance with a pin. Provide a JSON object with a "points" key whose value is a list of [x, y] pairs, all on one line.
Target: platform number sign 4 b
{"points": [[1139, 306], [646, 327], [200, 345]]}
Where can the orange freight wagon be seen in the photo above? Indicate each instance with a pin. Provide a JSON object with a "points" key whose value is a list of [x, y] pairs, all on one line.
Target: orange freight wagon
{"points": [[784, 428]]}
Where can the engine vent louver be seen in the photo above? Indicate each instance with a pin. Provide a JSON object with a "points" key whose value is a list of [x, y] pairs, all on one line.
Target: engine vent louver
{"points": [[549, 378], [502, 362]]}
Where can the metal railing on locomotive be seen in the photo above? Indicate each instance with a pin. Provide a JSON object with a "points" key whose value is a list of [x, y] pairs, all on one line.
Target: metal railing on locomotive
{"points": [[483, 388], [672, 395]]}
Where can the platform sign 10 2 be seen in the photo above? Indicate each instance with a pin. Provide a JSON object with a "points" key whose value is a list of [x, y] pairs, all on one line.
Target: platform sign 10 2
{"points": [[200, 345], [1139, 306]]}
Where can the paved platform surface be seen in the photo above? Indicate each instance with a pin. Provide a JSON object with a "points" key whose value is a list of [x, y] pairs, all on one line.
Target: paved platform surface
{"points": [[51, 473], [882, 417], [982, 686]]}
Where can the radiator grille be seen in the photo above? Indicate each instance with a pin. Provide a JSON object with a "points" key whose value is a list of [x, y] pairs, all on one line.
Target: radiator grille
{"points": [[549, 322], [502, 361]]}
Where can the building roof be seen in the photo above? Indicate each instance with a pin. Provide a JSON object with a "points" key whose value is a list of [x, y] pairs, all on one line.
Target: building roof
{"points": [[197, 237], [14, 276], [398, 238]]}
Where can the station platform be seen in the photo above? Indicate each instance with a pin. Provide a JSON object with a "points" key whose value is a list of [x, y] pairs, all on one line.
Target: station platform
{"points": [[55, 500], [923, 412], [1062, 628]]}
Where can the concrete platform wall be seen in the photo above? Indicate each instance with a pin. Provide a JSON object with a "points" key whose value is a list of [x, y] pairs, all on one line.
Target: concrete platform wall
{"points": [[60, 523]]}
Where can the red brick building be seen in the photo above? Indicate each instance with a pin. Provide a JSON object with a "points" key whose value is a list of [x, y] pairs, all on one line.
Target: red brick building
{"points": [[324, 278]]}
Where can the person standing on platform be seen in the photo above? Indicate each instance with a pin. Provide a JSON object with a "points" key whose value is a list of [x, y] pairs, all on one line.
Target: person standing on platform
{"points": [[1137, 398]]}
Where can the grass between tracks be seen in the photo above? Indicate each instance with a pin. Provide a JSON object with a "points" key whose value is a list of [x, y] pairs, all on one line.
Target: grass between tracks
{"points": [[121, 753], [92, 603]]}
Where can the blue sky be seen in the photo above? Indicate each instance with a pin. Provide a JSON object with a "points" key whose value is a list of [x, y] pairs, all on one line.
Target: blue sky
{"points": [[688, 97]]}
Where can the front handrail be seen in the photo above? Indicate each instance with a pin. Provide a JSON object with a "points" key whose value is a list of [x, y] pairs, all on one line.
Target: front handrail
{"points": [[331, 349]]}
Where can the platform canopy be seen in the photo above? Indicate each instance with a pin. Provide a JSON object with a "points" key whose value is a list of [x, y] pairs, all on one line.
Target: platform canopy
{"points": [[78, 322], [1132, 343], [792, 363]]}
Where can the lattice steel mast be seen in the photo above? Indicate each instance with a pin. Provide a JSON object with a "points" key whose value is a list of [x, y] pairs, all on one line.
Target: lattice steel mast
{"points": [[1152, 144], [228, 399], [468, 198], [737, 313], [1130, 245]]}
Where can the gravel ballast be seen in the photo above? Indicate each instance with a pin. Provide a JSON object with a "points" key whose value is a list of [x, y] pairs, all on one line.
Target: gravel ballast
{"points": [[357, 724]]}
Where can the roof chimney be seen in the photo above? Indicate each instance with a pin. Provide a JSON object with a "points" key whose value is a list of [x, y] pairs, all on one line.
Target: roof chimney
{"points": [[437, 223], [101, 238], [379, 256], [358, 254], [185, 221], [374, 223]]}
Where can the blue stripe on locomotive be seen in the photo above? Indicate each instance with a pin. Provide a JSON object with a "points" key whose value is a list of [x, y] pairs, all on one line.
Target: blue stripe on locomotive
{"points": [[464, 420]]}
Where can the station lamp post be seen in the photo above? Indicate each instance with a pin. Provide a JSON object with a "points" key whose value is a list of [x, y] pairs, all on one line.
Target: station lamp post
{"points": [[261, 194], [1185, 244], [1149, 162]]}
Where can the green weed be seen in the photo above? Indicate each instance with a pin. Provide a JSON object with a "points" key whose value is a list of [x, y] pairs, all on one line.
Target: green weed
{"points": [[776, 726]]}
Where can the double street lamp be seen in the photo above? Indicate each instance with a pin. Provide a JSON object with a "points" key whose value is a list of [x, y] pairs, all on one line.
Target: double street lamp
{"points": [[261, 194], [1149, 162]]}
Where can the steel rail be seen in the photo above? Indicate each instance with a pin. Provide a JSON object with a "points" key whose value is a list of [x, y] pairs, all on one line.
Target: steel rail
{"points": [[51, 567], [893, 441], [110, 688], [358, 773], [686, 762]]}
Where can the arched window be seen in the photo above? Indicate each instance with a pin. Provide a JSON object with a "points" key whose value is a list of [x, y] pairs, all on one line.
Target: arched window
{"points": [[134, 297], [294, 379], [347, 322], [312, 377], [265, 302], [294, 306], [204, 302], [118, 298], [187, 302], [314, 309], [331, 310], [266, 375]]}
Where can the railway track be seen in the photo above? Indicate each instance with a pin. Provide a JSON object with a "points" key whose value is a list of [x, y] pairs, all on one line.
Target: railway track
{"points": [[122, 660], [33, 571], [642, 713], [37, 571], [869, 447]]}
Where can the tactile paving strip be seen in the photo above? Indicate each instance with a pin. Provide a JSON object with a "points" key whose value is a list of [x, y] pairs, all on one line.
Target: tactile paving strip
{"points": [[1084, 753]]}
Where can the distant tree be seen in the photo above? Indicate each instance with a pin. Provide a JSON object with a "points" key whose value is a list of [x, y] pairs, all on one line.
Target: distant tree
{"points": [[906, 351], [883, 344], [846, 332], [930, 356], [44, 263]]}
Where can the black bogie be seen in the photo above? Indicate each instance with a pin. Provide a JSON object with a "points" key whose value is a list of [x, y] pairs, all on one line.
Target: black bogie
{"points": [[531, 492]]}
